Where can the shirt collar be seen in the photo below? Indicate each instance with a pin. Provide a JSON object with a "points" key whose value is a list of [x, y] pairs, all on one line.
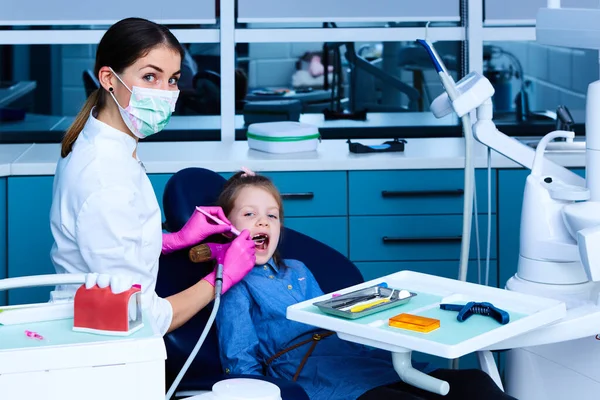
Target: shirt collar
{"points": [[271, 263], [97, 129]]}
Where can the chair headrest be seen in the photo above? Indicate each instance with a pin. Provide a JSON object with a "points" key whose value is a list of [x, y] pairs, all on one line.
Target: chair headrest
{"points": [[187, 189]]}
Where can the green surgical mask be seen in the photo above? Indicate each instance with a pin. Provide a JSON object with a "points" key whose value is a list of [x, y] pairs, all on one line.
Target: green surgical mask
{"points": [[149, 110]]}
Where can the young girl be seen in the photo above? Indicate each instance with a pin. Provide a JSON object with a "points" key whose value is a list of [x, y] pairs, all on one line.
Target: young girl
{"points": [[253, 329]]}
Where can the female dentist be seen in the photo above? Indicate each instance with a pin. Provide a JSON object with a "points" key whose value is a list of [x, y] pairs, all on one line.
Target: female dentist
{"points": [[105, 218]]}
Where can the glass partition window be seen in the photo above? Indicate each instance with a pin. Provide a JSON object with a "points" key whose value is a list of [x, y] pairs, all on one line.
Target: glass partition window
{"points": [[338, 66], [383, 77], [534, 79], [43, 87]]}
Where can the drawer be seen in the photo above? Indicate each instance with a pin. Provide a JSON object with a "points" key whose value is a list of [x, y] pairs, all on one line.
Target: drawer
{"points": [[311, 194], [333, 231], [418, 192], [29, 237], [446, 269], [415, 238], [3, 242]]}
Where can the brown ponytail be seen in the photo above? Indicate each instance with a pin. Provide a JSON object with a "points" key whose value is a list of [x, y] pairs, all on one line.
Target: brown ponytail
{"points": [[121, 46], [77, 126]]}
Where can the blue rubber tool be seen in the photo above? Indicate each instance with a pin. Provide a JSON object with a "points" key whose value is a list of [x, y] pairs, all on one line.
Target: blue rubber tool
{"points": [[471, 308]]}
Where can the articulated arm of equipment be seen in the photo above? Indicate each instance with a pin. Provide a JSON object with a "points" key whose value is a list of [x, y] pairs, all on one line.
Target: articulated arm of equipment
{"points": [[486, 132]]}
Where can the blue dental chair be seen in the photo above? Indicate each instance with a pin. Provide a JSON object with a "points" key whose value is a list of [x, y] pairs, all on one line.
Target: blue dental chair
{"points": [[183, 192]]}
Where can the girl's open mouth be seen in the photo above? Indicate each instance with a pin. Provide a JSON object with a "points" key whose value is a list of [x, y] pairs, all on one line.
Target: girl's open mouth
{"points": [[261, 241]]}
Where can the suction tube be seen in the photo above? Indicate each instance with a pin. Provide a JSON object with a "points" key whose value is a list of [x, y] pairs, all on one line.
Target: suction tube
{"points": [[450, 88], [211, 319]]}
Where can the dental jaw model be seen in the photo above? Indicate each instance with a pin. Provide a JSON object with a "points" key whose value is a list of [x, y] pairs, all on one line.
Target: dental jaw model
{"points": [[559, 253], [98, 310], [103, 304]]}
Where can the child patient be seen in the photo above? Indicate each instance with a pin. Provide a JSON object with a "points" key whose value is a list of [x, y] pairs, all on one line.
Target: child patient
{"points": [[253, 329]]}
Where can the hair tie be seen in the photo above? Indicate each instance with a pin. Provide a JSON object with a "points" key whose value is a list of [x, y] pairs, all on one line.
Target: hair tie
{"points": [[247, 172]]}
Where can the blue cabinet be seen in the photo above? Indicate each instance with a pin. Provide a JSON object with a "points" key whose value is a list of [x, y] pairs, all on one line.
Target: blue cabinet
{"points": [[511, 185], [414, 237], [3, 240], [347, 210], [28, 230], [420, 192], [314, 203], [413, 218], [29, 236], [332, 231], [311, 194]]}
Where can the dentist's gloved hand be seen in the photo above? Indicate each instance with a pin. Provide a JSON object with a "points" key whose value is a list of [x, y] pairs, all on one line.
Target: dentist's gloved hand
{"points": [[218, 251], [239, 259], [196, 229], [118, 284]]}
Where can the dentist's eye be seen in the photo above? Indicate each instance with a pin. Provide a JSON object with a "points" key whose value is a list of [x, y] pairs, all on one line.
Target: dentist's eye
{"points": [[149, 78], [173, 81]]}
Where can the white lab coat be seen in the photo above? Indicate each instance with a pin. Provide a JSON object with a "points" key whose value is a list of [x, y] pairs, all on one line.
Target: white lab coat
{"points": [[105, 217]]}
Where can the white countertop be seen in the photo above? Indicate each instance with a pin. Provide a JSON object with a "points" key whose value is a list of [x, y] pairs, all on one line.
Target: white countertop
{"points": [[9, 153], [170, 157]]}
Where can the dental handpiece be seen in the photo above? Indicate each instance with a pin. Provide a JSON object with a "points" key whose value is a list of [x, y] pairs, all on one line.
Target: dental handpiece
{"points": [[204, 252]]}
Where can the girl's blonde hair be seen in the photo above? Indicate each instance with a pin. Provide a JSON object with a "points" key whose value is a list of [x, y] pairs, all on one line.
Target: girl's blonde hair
{"points": [[241, 180]]}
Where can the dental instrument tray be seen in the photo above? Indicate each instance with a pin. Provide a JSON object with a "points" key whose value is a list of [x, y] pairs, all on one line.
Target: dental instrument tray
{"points": [[363, 302]]}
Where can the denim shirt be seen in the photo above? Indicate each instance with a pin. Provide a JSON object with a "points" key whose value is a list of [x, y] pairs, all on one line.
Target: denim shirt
{"points": [[252, 326]]}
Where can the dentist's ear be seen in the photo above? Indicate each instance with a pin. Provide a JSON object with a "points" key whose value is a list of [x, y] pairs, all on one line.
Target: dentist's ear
{"points": [[106, 78]]}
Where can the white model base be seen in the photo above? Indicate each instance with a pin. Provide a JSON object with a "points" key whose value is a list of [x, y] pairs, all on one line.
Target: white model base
{"points": [[567, 370], [109, 333]]}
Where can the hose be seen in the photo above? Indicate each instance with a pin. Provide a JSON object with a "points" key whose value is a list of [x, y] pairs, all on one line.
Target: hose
{"points": [[211, 319]]}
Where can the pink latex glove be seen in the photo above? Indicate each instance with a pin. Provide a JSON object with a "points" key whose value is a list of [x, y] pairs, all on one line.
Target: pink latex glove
{"points": [[239, 259], [218, 251], [198, 228]]}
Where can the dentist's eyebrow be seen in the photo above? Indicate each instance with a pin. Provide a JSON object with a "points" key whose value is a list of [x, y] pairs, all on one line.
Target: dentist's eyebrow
{"points": [[154, 67]]}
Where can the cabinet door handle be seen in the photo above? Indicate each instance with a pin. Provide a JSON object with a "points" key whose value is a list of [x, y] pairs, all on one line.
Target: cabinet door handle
{"points": [[421, 193], [390, 240], [298, 196]]}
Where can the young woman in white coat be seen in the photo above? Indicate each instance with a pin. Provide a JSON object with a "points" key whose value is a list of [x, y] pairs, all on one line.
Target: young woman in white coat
{"points": [[105, 218]]}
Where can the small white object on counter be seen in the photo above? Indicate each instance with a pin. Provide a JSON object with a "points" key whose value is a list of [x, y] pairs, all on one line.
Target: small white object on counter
{"points": [[283, 137]]}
